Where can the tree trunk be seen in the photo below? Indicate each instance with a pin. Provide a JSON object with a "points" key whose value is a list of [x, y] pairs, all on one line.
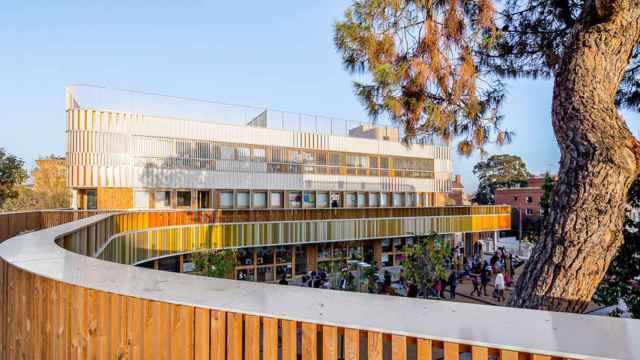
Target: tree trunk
{"points": [[599, 161]]}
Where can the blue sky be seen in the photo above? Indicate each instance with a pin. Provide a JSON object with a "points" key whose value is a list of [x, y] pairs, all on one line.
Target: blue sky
{"points": [[277, 54]]}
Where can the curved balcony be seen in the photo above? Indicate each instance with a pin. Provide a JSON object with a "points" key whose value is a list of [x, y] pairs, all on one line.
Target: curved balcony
{"points": [[58, 303]]}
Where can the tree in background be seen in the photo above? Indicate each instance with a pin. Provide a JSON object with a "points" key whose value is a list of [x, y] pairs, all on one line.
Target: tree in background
{"points": [[435, 67], [215, 263], [424, 263], [50, 182], [496, 172], [622, 280], [12, 175]]}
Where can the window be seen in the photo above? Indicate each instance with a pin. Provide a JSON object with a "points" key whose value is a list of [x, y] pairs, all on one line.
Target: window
{"points": [[515, 198], [335, 200], [141, 199], [245, 256], [384, 200], [276, 199], [350, 199], [92, 199], [529, 212], [283, 254], [243, 154], [374, 199], [163, 199], [322, 200], [295, 199], [264, 255], [259, 200], [309, 200], [183, 198], [242, 200], [361, 199], [259, 155], [301, 260], [398, 199], [226, 200], [227, 153], [529, 199]]}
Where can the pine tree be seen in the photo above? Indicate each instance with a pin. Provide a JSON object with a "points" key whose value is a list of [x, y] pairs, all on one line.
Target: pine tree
{"points": [[435, 67]]}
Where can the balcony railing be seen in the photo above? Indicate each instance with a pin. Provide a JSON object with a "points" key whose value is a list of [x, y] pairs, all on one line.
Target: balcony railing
{"points": [[60, 304]]}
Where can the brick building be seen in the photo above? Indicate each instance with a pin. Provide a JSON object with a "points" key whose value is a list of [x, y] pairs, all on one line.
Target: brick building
{"points": [[524, 201]]}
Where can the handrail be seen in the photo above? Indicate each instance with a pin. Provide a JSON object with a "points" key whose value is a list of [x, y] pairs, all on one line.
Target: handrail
{"points": [[193, 310]]}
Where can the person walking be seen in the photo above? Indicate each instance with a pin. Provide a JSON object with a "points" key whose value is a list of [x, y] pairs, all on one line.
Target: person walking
{"points": [[476, 284], [485, 277], [500, 286], [453, 282]]}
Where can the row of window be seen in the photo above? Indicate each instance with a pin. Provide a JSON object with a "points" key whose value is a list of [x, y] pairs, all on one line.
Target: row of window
{"points": [[244, 199], [196, 154]]}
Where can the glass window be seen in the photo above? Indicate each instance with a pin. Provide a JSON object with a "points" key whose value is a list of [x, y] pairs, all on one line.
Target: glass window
{"points": [[265, 273], [226, 199], [324, 251], [420, 198], [309, 200], [276, 199], [350, 199], [283, 254], [322, 199], [243, 153], [529, 199], [335, 200], [245, 256], [295, 199], [301, 260], [92, 199], [386, 245], [397, 244], [163, 199], [386, 260], [264, 255], [374, 199], [384, 200], [183, 198], [259, 200], [308, 158], [242, 199], [141, 199], [295, 156], [361, 199], [283, 270], [227, 153], [411, 199], [398, 199], [259, 155]]}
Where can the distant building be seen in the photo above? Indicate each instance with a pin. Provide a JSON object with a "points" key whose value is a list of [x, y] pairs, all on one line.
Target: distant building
{"points": [[524, 201], [368, 131], [457, 196]]}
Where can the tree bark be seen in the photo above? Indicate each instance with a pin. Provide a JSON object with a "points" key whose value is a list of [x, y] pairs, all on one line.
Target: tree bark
{"points": [[599, 161]]}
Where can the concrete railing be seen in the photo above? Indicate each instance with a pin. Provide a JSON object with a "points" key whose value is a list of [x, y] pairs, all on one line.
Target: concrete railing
{"points": [[59, 304]]}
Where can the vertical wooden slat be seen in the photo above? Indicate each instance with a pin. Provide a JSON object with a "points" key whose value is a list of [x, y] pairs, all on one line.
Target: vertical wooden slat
{"points": [[329, 342], [251, 337], [92, 323], [309, 341], [289, 340], [423, 349], [398, 347], [270, 338], [202, 334], [234, 336], [79, 322], [540, 357], [3, 303], [136, 327], [351, 344], [508, 355], [118, 329], [479, 353], [451, 351], [218, 335], [163, 332], [182, 331], [374, 345]]}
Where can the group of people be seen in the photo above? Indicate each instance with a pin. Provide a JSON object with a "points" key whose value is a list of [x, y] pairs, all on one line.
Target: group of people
{"points": [[502, 264]]}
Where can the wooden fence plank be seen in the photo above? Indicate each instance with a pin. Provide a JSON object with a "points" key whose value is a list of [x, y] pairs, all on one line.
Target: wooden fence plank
{"points": [[309, 341], [508, 355], [289, 340], [374, 345], [398, 347], [182, 332], [351, 344], [218, 335], [202, 335], [270, 338], [451, 351], [540, 357], [329, 342], [251, 337], [423, 349], [136, 328], [234, 336], [479, 353]]}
